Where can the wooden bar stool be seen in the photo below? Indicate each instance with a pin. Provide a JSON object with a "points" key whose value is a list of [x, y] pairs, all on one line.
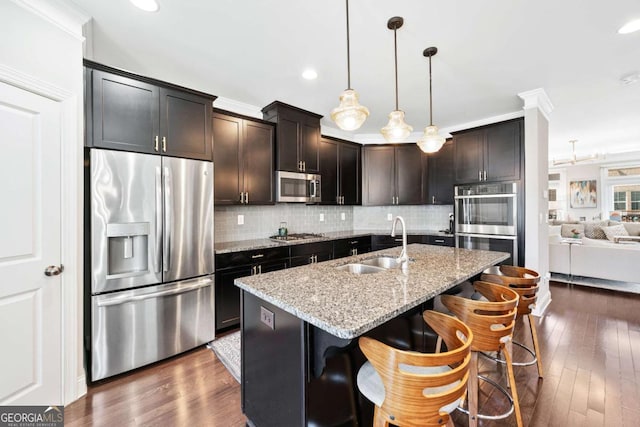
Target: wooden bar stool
{"points": [[525, 283], [492, 322], [417, 389]]}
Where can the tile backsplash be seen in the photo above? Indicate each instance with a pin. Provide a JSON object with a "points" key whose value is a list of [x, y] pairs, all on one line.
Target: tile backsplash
{"points": [[263, 221]]}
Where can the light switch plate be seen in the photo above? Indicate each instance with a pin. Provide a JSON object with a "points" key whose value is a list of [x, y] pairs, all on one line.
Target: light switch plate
{"points": [[389, 217], [240, 219], [267, 317], [321, 217], [343, 216]]}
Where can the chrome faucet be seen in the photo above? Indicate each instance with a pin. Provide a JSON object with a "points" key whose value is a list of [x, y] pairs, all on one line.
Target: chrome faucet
{"points": [[403, 258]]}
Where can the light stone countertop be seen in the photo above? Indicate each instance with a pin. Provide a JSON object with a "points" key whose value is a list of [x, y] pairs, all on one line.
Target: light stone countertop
{"points": [[347, 305], [246, 245]]}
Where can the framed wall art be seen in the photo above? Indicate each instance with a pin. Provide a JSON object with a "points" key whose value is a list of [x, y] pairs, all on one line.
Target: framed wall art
{"points": [[583, 193]]}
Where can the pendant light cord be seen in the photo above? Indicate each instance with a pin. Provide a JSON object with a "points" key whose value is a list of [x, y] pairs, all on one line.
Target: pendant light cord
{"points": [[430, 97], [348, 52], [395, 47]]}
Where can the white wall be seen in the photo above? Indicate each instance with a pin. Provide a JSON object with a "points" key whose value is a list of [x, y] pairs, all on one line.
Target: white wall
{"points": [[578, 173], [42, 44]]}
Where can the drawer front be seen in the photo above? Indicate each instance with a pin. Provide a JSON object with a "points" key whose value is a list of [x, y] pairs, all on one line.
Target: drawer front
{"points": [[441, 240], [235, 259], [312, 249]]}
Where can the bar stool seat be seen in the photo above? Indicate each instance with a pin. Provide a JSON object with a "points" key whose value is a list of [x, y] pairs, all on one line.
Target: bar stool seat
{"points": [[492, 322], [525, 282], [417, 389]]}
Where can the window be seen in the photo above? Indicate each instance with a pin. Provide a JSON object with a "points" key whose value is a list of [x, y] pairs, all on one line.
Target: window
{"points": [[635, 200], [619, 200]]}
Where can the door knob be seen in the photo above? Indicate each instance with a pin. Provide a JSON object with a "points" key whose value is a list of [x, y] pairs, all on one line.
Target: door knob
{"points": [[53, 270]]}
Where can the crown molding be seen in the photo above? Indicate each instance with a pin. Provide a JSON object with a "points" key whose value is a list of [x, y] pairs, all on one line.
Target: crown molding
{"points": [[238, 107], [537, 98], [63, 14]]}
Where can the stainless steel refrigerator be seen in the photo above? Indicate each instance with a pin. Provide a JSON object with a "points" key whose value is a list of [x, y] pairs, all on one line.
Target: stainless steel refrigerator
{"points": [[151, 258]]}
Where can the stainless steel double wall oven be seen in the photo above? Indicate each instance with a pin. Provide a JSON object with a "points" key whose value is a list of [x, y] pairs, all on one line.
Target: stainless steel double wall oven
{"points": [[486, 217]]}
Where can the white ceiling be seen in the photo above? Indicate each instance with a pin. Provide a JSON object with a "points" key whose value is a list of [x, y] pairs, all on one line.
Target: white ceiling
{"points": [[254, 51]]}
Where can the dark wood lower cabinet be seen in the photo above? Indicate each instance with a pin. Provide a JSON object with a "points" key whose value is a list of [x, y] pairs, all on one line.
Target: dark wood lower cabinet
{"points": [[227, 295]]}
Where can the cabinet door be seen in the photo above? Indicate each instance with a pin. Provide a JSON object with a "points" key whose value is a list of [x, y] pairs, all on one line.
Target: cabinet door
{"points": [[409, 178], [467, 156], [378, 177], [288, 133], [502, 151], [349, 175], [185, 123], [329, 171], [227, 298], [227, 134], [257, 152], [310, 144], [440, 176], [125, 113]]}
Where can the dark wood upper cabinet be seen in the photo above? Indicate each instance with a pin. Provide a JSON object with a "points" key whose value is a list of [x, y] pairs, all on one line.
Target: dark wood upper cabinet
{"points": [[243, 160], [185, 124], [349, 172], [297, 137], [489, 153], [392, 175], [135, 113], [378, 175], [125, 111], [340, 171], [440, 176]]}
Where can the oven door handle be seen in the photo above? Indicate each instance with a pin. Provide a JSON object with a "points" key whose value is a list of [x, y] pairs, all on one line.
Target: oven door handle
{"points": [[485, 196], [488, 236]]}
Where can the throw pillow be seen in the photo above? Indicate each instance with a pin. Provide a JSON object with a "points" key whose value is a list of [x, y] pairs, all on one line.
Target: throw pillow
{"points": [[593, 229], [572, 230], [615, 230]]}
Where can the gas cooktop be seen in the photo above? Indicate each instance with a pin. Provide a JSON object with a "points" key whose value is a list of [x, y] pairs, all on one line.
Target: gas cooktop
{"points": [[295, 236]]}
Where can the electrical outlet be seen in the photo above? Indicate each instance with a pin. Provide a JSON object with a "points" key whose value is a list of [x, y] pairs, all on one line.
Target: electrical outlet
{"points": [[389, 217], [321, 217], [267, 317], [240, 219], [343, 216]]}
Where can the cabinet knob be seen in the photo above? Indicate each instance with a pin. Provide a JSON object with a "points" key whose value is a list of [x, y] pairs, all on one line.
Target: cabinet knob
{"points": [[53, 270], [433, 200]]}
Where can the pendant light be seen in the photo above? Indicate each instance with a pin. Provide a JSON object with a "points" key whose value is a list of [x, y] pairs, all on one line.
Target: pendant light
{"points": [[396, 130], [349, 115], [431, 141]]}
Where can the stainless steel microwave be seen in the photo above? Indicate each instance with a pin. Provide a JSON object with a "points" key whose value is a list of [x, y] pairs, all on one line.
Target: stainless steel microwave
{"points": [[297, 187]]}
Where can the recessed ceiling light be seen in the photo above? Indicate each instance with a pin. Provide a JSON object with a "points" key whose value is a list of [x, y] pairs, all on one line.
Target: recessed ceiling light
{"points": [[146, 5], [630, 27], [309, 74]]}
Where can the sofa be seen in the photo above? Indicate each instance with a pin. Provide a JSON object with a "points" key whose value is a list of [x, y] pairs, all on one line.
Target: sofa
{"points": [[591, 253]]}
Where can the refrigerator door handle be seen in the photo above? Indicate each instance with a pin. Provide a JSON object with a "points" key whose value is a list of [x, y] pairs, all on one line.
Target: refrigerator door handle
{"points": [[158, 257], [168, 219], [105, 301]]}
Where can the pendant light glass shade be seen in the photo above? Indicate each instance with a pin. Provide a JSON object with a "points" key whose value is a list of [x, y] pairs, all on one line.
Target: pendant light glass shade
{"points": [[430, 142], [349, 115], [397, 130]]}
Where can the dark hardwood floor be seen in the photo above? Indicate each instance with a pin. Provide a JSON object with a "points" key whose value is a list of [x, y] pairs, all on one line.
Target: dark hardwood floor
{"points": [[590, 345]]}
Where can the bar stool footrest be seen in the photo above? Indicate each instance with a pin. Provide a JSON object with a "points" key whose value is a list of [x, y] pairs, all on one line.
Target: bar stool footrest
{"points": [[492, 417], [514, 363]]}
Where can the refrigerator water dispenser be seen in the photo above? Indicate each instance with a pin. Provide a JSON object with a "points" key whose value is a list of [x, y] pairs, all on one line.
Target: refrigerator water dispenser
{"points": [[128, 249]]}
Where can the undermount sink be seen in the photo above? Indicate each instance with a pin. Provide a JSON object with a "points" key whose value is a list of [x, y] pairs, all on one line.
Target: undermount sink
{"points": [[360, 268], [383, 261]]}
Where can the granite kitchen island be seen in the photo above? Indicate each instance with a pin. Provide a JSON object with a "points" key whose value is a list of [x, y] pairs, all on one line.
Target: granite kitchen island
{"points": [[299, 322]]}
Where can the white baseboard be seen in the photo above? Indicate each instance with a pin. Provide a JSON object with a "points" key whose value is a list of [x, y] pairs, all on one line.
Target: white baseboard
{"points": [[542, 304], [81, 386]]}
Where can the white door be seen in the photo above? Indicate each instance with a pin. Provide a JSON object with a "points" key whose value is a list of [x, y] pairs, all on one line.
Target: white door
{"points": [[30, 228]]}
